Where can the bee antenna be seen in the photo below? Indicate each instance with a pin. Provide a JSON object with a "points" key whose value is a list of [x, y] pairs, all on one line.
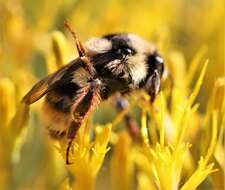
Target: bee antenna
{"points": [[80, 48]]}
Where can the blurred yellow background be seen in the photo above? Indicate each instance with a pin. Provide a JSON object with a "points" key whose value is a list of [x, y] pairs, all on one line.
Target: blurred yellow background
{"points": [[181, 29]]}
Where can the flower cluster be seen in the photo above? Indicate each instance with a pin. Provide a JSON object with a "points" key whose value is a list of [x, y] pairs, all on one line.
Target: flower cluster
{"points": [[180, 137]]}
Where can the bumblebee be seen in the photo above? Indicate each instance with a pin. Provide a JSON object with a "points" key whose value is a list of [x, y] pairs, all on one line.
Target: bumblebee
{"points": [[114, 63]]}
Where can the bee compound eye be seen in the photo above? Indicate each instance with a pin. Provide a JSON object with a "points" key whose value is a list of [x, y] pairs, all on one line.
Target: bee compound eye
{"points": [[155, 61], [159, 59]]}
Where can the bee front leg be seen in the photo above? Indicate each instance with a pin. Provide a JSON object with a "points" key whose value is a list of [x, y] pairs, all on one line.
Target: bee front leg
{"points": [[130, 122], [87, 100]]}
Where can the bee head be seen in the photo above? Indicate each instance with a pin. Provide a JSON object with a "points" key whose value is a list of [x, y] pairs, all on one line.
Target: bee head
{"points": [[139, 59]]}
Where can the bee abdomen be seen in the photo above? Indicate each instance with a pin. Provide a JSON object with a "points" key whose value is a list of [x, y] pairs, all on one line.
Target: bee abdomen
{"points": [[55, 120], [61, 97], [61, 104], [57, 108]]}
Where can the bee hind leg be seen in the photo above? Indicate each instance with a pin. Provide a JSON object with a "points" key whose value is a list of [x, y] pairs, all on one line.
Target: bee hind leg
{"points": [[88, 99], [73, 128]]}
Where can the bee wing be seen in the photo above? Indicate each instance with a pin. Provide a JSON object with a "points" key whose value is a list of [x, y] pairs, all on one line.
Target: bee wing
{"points": [[38, 90], [46, 84]]}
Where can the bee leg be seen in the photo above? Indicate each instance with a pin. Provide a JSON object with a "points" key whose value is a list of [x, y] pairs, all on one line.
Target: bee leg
{"points": [[88, 99], [74, 126], [130, 122], [80, 48], [82, 51], [68, 151]]}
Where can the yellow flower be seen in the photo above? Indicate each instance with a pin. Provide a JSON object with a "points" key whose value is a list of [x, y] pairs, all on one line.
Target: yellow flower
{"points": [[168, 161], [122, 164], [87, 156], [7, 101]]}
